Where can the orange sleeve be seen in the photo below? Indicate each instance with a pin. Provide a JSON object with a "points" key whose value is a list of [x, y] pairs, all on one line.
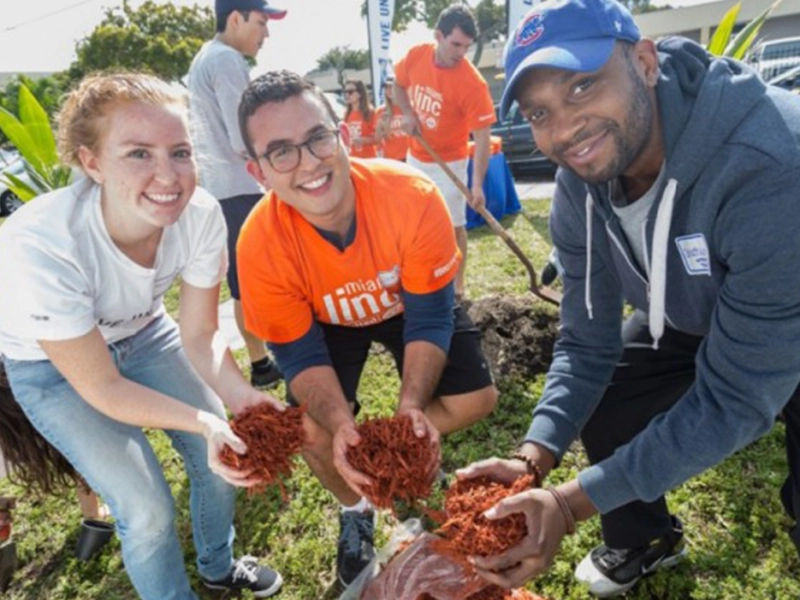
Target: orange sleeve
{"points": [[274, 299]]}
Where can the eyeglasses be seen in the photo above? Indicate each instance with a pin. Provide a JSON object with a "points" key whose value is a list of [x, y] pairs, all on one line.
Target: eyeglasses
{"points": [[353, 91], [321, 145]]}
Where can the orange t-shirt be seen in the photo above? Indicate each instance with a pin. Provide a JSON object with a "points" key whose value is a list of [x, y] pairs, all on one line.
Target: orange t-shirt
{"points": [[361, 127], [449, 102], [290, 275], [396, 143]]}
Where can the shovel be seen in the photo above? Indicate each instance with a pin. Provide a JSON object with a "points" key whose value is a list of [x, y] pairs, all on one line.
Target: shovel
{"points": [[542, 292]]}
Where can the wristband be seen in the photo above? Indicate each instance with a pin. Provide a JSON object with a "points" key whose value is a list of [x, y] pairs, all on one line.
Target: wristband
{"points": [[531, 467], [565, 509]]}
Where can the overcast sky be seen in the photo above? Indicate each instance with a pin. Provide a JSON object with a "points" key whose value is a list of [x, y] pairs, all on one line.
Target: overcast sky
{"points": [[41, 36]]}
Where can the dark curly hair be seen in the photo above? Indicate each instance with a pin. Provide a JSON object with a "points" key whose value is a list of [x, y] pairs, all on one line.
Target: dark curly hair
{"points": [[35, 464], [275, 86]]}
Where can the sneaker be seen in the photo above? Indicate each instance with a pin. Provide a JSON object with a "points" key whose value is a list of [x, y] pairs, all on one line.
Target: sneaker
{"points": [[356, 544], [247, 574], [609, 572], [264, 373]]}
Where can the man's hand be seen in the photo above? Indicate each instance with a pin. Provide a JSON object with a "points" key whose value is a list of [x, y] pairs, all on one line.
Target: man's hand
{"points": [[218, 434], [537, 550], [345, 437], [250, 397], [477, 200], [497, 469], [424, 428], [411, 125]]}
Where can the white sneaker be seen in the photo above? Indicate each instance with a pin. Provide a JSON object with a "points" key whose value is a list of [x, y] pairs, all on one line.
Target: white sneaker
{"points": [[611, 572]]}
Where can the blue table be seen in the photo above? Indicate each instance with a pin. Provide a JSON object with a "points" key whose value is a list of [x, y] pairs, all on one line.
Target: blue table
{"points": [[498, 187]]}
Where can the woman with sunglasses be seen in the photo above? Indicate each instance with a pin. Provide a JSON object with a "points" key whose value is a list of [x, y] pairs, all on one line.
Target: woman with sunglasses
{"points": [[360, 119]]}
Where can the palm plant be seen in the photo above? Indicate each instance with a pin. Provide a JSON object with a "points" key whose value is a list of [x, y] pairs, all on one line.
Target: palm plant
{"points": [[722, 44], [32, 136]]}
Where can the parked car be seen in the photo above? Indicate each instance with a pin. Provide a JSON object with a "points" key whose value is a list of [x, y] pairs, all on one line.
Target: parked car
{"points": [[521, 152], [9, 202], [774, 57]]}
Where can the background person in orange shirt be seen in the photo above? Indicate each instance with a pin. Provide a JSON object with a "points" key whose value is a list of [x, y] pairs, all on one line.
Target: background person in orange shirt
{"points": [[360, 119], [390, 126], [342, 253], [444, 98]]}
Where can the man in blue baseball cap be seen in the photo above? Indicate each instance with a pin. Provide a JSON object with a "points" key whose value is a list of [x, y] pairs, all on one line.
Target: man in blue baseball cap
{"points": [[677, 194], [217, 77]]}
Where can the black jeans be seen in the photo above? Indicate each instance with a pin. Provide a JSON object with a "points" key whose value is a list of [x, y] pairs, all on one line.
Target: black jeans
{"points": [[646, 383]]}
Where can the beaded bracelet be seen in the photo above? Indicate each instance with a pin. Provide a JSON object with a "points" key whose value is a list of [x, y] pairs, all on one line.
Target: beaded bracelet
{"points": [[565, 509], [532, 467]]}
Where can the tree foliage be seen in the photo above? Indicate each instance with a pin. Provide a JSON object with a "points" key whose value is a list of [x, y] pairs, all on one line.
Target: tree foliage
{"points": [[159, 38], [342, 57]]}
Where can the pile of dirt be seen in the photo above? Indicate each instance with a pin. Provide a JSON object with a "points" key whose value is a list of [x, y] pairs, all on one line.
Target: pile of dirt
{"points": [[518, 333]]}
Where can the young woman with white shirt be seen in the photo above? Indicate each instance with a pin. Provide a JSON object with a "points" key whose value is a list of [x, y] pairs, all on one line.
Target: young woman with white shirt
{"points": [[90, 353]]}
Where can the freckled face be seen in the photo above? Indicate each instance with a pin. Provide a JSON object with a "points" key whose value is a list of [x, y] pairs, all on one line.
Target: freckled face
{"points": [[144, 165]]}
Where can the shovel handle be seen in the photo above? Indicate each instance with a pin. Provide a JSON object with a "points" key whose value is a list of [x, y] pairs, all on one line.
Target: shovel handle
{"points": [[541, 292]]}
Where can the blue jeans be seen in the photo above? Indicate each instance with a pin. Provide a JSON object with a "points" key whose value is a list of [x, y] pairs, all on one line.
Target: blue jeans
{"points": [[118, 462]]}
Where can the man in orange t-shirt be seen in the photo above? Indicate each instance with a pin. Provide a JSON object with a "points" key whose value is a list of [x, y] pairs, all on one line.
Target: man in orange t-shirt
{"points": [[340, 254], [444, 98]]}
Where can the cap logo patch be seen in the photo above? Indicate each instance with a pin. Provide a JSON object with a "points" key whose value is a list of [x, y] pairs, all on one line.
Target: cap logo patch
{"points": [[530, 30]]}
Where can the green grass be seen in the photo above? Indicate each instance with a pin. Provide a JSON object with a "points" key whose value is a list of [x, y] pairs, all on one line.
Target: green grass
{"points": [[736, 528]]}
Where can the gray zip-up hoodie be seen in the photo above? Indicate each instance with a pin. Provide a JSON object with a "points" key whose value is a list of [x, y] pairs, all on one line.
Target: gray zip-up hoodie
{"points": [[723, 248]]}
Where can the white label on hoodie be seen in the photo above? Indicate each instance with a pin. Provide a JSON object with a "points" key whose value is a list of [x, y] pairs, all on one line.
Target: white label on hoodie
{"points": [[694, 253]]}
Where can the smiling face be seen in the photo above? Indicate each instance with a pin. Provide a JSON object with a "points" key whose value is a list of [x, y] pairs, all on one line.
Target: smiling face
{"points": [[451, 48], [144, 166], [319, 188], [601, 125]]}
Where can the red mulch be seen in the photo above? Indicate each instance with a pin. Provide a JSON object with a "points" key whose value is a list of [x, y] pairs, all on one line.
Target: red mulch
{"points": [[273, 437], [467, 532], [401, 465]]}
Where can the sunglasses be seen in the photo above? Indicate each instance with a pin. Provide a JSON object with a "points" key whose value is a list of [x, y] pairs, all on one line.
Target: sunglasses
{"points": [[351, 91]]}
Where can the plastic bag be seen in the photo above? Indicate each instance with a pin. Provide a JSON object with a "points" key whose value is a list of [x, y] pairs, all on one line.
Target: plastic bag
{"points": [[413, 571]]}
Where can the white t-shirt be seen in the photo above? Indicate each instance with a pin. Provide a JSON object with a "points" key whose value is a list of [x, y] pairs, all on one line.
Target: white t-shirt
{"points": [[61, 274]]}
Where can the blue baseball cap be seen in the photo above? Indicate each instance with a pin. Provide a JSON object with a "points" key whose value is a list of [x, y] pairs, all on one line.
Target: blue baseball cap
{"points": [[223, 7], [573, 35]]}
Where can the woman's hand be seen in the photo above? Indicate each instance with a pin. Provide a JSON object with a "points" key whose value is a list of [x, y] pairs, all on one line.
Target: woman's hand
{"points": [[219, 434]]}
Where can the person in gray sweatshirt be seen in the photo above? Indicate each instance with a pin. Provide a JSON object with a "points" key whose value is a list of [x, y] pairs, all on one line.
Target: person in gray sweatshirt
{"points": [[677, 194], [218, 75]]}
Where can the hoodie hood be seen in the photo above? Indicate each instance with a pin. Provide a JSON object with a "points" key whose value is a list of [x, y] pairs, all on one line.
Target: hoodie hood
{"points": [[702, 99]]}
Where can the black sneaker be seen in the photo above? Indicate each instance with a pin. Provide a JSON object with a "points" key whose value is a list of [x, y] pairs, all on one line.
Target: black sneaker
{"points": [[264, 373], [609, 572], [356, 544], [247, 574]]}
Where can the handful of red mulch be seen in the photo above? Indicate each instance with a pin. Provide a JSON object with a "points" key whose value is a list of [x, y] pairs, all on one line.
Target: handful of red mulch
{"points": [[467, 532], [401, 465], [273, 437]]}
